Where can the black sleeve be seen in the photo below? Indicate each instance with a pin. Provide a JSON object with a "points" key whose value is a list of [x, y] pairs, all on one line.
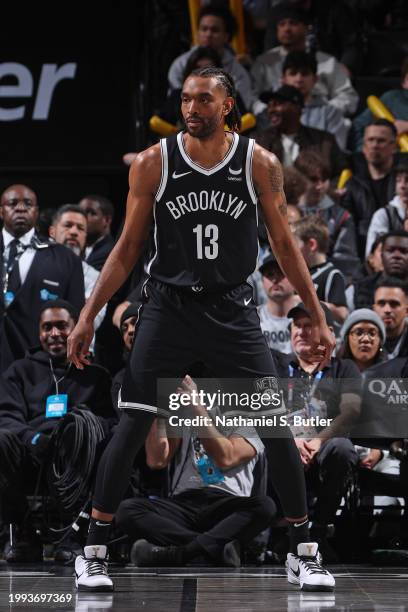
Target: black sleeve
{"points": [[75, 291], [101, 403], [338, 159], [347, 200], [364, 291], [349, 376], [337, 290], [13, 406]]}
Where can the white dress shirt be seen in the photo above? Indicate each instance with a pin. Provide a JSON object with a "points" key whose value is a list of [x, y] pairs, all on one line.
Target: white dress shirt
{"points": [[26, 259]]}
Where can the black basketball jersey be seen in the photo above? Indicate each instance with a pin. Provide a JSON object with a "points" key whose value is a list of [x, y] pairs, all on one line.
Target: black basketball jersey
{"points": [[205, 231]]}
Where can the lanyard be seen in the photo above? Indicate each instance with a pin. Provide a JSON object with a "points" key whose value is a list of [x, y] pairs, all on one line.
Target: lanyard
{"points": [[57, 381], [8, 268], [318, 376]]}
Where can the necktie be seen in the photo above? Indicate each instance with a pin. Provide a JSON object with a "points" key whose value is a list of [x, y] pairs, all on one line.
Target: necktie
{"points": [[14, 280]]}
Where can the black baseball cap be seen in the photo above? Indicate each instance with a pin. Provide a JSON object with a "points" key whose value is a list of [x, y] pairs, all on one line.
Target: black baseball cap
{"points": [[286, 93], [269, 260], [285, 11], [302, 310], [131, 311]]}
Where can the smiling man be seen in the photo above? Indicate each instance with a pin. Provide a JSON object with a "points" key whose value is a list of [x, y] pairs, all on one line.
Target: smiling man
{"points": [[286, 136], [35, 394]]}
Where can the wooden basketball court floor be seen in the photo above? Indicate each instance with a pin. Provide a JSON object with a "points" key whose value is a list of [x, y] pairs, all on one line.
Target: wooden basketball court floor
{"points": [[249, 589]]}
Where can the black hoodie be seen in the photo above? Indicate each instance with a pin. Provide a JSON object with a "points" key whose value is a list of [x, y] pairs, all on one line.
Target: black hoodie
{"points": [[26, 384]]}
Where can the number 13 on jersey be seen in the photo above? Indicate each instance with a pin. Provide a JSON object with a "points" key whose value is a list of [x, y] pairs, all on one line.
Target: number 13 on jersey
{"points": [[210, 235]]}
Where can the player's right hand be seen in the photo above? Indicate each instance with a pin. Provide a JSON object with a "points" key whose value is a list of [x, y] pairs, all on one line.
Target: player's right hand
{"points": [[79, 342]]}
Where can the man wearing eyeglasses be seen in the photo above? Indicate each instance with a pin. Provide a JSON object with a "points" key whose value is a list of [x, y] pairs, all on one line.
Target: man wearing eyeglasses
{"points": [[32, 272], [391, 304]]}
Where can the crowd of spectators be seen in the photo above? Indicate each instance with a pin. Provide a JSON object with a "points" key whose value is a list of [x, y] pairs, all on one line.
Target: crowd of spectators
{"points": [[206, 496]]}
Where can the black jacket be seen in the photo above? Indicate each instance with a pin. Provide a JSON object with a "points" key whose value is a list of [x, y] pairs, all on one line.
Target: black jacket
{"points": [[360, 198], [364, 290], [26, 384], [100, 252], [307, 138], [360, 202], [55, 272]]}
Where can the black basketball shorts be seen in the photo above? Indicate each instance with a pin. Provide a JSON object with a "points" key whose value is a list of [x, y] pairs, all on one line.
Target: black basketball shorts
{"points": [[178, 328]]}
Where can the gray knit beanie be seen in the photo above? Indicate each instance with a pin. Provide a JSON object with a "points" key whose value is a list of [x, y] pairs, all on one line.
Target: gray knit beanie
{"points": [[363, 314]]}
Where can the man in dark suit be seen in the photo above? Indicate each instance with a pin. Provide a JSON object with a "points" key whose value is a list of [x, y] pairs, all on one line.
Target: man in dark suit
{"points": [[99, 211], [33, 271]]}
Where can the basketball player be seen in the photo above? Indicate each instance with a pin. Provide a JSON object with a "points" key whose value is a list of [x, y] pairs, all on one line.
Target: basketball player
{"points": [[200, 188]]}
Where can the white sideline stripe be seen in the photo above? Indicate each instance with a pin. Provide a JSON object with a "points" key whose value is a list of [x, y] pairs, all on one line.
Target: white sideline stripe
{"points": [[234, 574]]}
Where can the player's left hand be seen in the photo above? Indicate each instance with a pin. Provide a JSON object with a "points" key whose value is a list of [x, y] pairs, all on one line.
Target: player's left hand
{"points": [[323, 344], [79, 342]]}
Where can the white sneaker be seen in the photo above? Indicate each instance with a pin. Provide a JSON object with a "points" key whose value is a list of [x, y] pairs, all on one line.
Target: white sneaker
{"points": [[305, 570], [91, 570]]}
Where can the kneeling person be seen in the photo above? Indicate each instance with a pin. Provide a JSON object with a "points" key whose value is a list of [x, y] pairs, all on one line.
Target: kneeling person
{"points": [[212, 510]]}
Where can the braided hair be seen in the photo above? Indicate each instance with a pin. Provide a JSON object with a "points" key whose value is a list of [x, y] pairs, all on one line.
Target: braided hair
{"points": [[233, 119]]}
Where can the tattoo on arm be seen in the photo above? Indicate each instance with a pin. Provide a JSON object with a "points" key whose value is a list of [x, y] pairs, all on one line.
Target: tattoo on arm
{"points": [[275, 177], [276, 183]]}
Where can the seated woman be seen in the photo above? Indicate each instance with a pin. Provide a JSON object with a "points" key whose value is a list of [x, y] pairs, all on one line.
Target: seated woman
{"points": [[363, 336]]}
